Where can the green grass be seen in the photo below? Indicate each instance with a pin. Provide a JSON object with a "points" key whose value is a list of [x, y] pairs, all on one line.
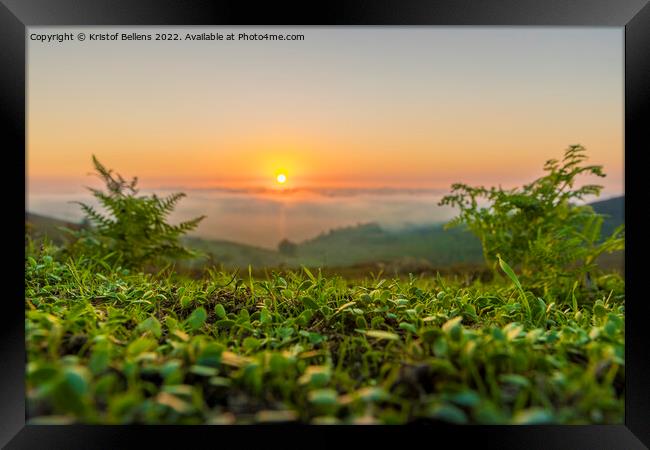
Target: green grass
{"points": [[299, 346]]}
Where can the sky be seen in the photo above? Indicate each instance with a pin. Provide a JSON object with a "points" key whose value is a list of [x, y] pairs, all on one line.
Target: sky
{"points": [[347, 107]]}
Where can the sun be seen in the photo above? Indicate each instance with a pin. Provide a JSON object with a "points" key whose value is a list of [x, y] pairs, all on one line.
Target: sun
{"points": [[281, 178]]}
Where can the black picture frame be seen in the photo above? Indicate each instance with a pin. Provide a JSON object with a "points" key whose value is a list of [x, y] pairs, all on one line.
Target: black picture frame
{"points": [[633, 15]]}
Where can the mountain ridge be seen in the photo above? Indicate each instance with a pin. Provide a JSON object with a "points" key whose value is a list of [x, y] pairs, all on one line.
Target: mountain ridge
{"points": [[364, 243]]}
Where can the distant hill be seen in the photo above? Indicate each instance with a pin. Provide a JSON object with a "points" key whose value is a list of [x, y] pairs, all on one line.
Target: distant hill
{"points": [[233, 254], [614, 211], [370, 242], [414, 246], [357, 245], [39, 226]]}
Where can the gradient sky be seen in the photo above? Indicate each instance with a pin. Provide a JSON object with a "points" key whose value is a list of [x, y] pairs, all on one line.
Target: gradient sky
{"points": [[348, 106]]}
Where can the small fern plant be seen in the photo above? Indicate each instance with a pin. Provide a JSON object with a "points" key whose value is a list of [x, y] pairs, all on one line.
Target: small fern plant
{"points": [[539, 228], [134, 231]]}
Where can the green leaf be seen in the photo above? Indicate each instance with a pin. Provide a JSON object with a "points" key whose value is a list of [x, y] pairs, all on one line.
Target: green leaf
{"points": [[210, 355], [454, 328], [100, 358], [244, 316], [508, 271], [345, 306], [151, 325], [498, 334], [515, 379], [77, 379], [429, 334], [171, 323], [513, 330], [204, 371], [277, 363], [251, 343], [220, 381], [309, 274], [186, 301], [408, 327], [220, 311], [316, 376], [285, 332], [304, 318], [323, 397], [197, 318], [265, 317], [448, 413], [533, 416], [466, 398], [440, 347], [140, 345], [371, 394], [380, 334], [226, 323]]}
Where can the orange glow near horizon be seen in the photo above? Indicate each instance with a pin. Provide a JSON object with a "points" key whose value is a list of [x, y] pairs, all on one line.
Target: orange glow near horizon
{"points": [[358, 168], [402, 108]]}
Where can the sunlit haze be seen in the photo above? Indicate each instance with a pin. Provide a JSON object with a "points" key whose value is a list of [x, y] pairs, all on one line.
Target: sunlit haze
{"points": [[393, 108]]}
